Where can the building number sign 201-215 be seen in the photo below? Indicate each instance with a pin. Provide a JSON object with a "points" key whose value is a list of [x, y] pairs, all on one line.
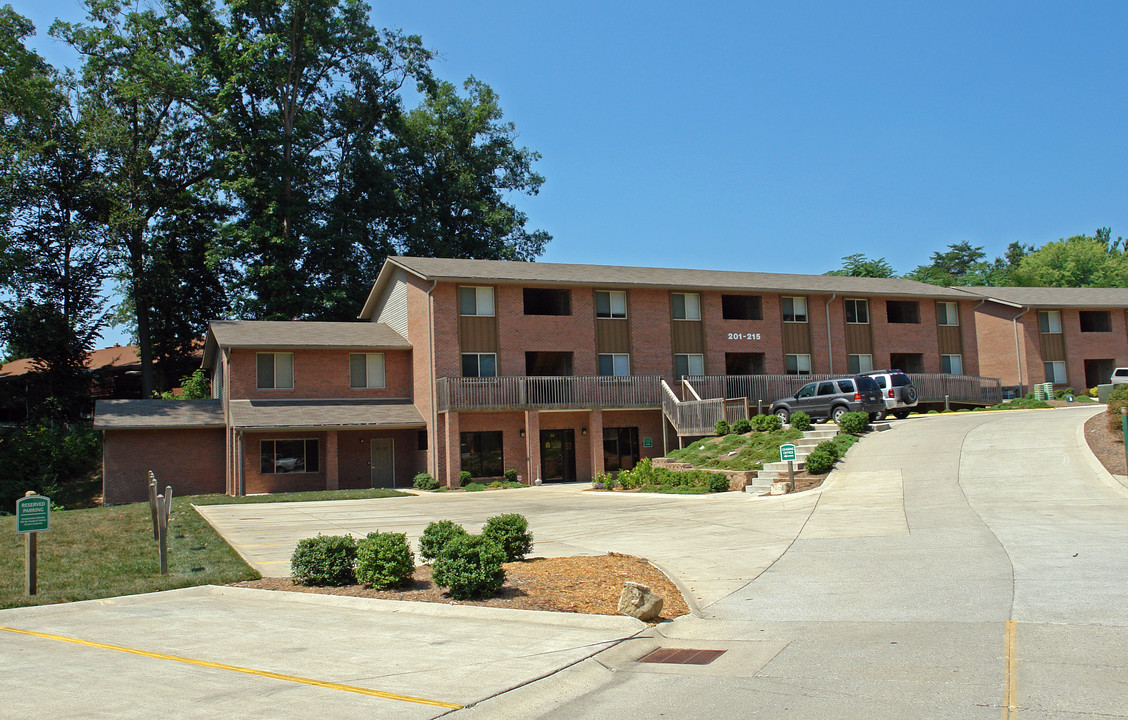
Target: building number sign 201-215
{"points": [[744, 336]]}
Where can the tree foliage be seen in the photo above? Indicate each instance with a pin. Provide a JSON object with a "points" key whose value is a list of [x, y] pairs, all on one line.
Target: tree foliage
{"points": [[858, 265], [1078, 261], [966, 265]]}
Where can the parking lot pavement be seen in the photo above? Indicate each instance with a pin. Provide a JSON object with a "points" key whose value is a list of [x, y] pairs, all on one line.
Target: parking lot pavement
{"points": [[210, 652]]}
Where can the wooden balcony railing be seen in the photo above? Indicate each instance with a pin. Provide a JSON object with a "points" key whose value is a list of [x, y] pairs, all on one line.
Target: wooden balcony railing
{"points": [[575, 392]]}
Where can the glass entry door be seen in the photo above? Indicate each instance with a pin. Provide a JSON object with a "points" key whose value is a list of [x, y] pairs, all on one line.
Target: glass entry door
{"points": [[558, 455]]}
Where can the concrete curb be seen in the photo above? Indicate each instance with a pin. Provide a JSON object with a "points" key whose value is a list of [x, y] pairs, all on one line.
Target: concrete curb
{"points": [[1113, 481]]}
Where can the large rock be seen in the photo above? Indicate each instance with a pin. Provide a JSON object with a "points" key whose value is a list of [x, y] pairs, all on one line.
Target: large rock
{"points": [[782, 488], [639, 601]]}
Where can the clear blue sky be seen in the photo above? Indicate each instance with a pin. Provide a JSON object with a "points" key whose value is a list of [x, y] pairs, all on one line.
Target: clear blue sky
{"points": [[780, 137]]}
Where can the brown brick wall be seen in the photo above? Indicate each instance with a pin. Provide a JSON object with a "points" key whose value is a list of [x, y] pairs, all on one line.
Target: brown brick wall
{"points": [[321, 374], [191, 461]]}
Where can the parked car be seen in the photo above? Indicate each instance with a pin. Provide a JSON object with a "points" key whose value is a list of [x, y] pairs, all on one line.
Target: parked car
{"points": [[829, 399], [1119, 376], [897, 390]]}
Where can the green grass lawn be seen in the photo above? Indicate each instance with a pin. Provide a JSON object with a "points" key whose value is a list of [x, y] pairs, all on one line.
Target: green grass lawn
{"points": [[736, 452]]}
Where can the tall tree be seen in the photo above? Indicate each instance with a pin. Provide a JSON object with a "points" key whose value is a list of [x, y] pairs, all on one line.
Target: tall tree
{"points": [[1078, 261], [858, 265], [964, 264]]}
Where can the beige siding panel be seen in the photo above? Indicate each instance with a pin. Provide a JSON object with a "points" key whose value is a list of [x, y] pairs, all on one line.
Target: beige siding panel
{"points": [[859, 339], [392, 308], [612, 335], [689, 336], [950, 339], [1053, 347], [796, 338], [478, 334]]}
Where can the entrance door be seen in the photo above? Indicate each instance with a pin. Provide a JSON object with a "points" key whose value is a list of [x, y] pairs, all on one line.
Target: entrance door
{"points": [[383, 462], [558, 455]]}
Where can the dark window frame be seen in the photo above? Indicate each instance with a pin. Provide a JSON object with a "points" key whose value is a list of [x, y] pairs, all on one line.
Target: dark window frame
{"points": [[274, 455], [1103, 320], [615, 436], [902, 312], [546, 302], [742, 307], [473, 453]]}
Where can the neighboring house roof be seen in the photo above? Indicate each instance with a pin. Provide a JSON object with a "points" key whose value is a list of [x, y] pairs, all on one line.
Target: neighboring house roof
{"points": [[614, 276], [1055, 297], [118, 356], [294, 334], [157, 414], [323, 414]]}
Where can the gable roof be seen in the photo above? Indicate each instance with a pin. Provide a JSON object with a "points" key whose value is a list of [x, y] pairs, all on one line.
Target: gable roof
{"points": [[157, 414], [294, 334], [1056, 297]]}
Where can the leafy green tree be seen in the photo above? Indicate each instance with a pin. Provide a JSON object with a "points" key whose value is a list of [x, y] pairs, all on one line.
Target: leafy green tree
{"points": [[858, 265], [965, 265], [195, 387], [1078, 261]]}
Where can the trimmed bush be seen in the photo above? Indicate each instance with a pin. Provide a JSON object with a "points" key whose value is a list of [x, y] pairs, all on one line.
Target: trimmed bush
{"points": [[853, 422], [718, 482], [464, 478], [324, 560], [436, 536], [424, 481], [721, 427], [800, 421], [1117, 399], [819, 461], [511, 533], [767, 423], [384, 560], [742, 426], [603, 481], [510, 475], [470, 566]]}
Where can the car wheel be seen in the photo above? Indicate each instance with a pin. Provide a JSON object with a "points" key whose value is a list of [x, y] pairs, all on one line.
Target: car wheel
{"points": [[900, 414], [876, 417], [836, 413], [783, 415]]}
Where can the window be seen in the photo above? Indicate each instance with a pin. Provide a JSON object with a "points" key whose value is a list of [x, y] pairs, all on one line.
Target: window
{"points": [[947, 313], [741, 307], [275, 371], [1095, 321], [857, 311], [1055, 371], [907, 362], [794, 309], [476, 301], [553, 364], [610, 303], [288, 456], [807, 391], [1050, 321], [828, 388], [744, 364], [797, 364], [902, 311], [421, 440], [620, 448], [687, 306], [614, 364], [846, 386], [952, 364], [366, 370], [858, 364], [548, 301], [688, 364], [479, 365], [481, 454]]}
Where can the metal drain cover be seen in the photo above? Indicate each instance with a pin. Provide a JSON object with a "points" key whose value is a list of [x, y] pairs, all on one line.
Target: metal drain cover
{"points": [[682, 656]]}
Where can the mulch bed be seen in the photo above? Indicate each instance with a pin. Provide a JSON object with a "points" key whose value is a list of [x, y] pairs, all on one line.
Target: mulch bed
{"points": [[580, 584], [1107, 444]]}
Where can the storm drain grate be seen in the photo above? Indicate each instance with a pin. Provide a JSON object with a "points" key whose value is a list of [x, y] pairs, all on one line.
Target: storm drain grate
{"points": [[682, 656]]}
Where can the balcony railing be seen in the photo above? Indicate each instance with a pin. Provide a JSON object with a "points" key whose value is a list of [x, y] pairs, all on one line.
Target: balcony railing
{"points": [[575, 392]]}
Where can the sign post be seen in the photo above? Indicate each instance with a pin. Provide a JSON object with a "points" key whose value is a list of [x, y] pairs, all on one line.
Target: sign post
{"points": [[33, 516], [164, 506], [787, 454]]}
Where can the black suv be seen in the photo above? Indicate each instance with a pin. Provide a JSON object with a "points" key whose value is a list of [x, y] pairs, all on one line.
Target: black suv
{"points": [[829, 399]]}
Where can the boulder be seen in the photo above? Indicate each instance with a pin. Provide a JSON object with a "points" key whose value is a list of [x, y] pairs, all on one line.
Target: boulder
{"points": [[639, 601], [782, 488]]}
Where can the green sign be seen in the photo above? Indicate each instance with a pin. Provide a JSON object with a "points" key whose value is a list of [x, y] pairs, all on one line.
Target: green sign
{"points": [[786, 452], [33, 514], [647, 442]]}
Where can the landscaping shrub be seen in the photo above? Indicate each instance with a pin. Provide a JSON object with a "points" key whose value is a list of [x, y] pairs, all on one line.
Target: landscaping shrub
{"points": [[511, 475], [718, 482], [511, 533], [470, 566], [436, 536], [474, 487], [324, 560], [853, 422], [1093, 392], [742, 426], [603, 481], [464, 478], [424, 481], [1117, 399], [721, 427], [800, 421], [820, 460], [767, 423], [646, 477], [384, 560]]}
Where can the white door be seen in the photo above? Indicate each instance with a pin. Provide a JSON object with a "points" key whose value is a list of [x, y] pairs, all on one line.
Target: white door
{"points": [[383, 463]]}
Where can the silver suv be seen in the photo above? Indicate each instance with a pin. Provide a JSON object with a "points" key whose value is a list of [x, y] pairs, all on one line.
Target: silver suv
{"points": [[831, 398], [898, 392]]}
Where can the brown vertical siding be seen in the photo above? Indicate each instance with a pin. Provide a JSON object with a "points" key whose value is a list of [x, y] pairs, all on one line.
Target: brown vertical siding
{"points": [[859, 339], [612, 335], [1053, 346], [478, 334], [688, 336], [950, 340], [796, 338]]}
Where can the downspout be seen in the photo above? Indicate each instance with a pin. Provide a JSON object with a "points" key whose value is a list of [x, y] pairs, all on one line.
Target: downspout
{"points": [[1017, 348], [432, 439], [242, 477], [829, 346]]}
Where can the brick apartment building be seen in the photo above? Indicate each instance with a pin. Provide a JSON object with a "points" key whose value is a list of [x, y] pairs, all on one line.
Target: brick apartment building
{"points": [[562, 371]]}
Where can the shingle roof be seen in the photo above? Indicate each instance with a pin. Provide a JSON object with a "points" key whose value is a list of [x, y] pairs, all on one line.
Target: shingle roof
{"points": [[157, 414], [118, 356], [621, 277], [323, 414], [1056, 297], [300, 334]]}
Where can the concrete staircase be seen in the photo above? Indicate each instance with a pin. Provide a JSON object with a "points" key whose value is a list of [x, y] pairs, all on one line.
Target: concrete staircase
{"points": [[777, 471]]}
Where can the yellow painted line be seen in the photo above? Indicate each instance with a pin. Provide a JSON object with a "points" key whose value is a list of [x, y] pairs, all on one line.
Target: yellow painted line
{"points": [[238, 669], [1010, 711]]}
